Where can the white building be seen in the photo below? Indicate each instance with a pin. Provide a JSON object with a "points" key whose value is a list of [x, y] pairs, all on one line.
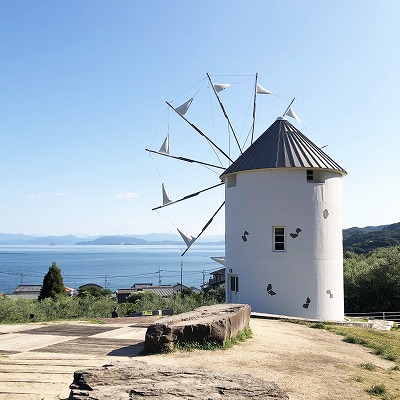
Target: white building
{"points": [[283, 251]]}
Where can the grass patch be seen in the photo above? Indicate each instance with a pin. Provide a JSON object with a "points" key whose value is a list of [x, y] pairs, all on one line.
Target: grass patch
{"points": [[243, 335], [191, 346], [382, 343], [385, 344], [317, 325], [377, 390], [368, 366]]}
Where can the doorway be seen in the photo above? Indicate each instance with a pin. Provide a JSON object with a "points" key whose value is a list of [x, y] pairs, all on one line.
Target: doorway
{"points": [[233, 288]]}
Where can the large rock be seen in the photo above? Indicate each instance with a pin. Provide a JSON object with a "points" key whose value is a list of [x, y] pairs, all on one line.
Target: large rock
{"points": [[139, 379], [215, 323]]}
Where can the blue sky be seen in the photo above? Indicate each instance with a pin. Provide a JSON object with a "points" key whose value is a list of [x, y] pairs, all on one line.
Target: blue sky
{"points": [[83, 87]]}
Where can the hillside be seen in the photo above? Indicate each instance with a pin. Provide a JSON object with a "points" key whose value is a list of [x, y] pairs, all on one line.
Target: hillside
{"points": [[365, 240]]}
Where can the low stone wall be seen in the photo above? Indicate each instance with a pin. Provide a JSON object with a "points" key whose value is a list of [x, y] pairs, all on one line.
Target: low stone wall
{"points": [[139, 379], [215, 323]]}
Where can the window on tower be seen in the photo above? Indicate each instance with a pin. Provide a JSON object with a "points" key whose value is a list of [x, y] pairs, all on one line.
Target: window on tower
{"points": [[231, 180], [317, 176], [279, 238]]}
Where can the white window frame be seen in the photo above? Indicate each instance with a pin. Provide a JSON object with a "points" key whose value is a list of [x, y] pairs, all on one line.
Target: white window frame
{"points": [[235, 286], [278, 233]]}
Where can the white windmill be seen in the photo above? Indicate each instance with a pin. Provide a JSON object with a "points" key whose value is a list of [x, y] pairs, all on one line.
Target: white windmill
{"points": [[283, 216]]}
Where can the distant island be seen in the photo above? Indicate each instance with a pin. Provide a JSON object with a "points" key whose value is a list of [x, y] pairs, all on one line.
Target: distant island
{"points": [[134, 240], [147, 239], [357, 240]]}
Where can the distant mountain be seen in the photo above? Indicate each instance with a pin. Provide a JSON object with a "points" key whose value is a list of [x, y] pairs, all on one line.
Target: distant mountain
{"points": [[114, 240], [167, 237], [147, 239], [19, 239], [151, 239], [59, 240], [353, 231], [365, 240]]}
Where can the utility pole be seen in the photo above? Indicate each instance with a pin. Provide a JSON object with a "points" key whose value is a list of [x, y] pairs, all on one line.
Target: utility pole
{"points": [[105, 281], [22, 277], [159, 276], [204, 277], [181, 276]]}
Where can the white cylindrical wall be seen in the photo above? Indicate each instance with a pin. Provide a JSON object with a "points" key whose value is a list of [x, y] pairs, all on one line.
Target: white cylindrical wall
{"points": [[305, 280]]}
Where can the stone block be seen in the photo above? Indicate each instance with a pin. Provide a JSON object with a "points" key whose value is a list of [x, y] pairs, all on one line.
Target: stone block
{"points": [[139, 379], [215, 323]]}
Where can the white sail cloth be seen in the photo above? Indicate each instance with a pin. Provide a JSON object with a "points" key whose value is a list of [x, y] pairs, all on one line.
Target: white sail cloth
{"points": [[219, 87], [290, 113], [166, 197], [189, 240], [165, 146], [262, 90], [181, 110]]}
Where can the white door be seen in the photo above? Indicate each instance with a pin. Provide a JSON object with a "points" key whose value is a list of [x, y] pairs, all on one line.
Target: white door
{"points": [[233, 281]]}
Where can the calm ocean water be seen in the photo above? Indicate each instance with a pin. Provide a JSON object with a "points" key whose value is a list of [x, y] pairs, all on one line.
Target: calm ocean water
{"points": [[111, 266]]}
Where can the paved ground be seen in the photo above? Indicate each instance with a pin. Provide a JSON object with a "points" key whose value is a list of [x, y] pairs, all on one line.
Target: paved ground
{"points": [[37, 361]]}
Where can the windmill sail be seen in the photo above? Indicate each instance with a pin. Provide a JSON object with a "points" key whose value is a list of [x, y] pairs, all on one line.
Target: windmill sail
{"points": [[189, 196], [219, 260], [181, 110], [219, 87], [201, 133], [165, 146], [224, 111], [262, 90], [190, 160], [189, 240], [166, 197], [290, 113], [204, 228]]}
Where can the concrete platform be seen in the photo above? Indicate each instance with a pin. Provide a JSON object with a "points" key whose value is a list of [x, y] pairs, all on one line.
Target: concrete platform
{"points": [[37, 360]]}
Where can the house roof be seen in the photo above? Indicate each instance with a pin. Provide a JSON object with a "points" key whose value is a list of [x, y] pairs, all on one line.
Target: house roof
{"points": [[28, 288], [283, 146], [163, 290], [218, 272]]}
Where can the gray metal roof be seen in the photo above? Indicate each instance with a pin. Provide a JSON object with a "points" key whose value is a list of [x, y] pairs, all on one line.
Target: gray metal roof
{"points": [[283, 146], [163, 290]]}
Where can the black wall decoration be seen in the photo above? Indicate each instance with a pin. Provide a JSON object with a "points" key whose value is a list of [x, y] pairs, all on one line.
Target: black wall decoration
{"points": [[294, 235], [307, 303], [269, 290]]}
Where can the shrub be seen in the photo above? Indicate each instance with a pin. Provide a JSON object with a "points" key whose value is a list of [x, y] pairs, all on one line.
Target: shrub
{"points": [[377, 390], [368, 366]]}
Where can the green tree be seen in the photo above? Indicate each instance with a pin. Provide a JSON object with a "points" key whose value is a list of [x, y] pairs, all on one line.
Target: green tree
{"points": [[372, 281], [217, 295], [93, 291], [53, 285]]}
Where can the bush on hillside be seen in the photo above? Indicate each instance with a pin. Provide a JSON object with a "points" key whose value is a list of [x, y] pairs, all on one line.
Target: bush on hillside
{"points": [[372, 281]]}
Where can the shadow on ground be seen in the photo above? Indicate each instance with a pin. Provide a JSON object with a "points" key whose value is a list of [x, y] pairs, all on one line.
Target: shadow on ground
{"points": [[134, 350]]}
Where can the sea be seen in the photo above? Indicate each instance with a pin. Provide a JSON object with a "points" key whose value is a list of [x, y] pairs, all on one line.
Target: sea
{"points": [[112, 267]]}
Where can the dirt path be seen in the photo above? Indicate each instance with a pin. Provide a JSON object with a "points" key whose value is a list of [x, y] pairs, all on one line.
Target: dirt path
{"points": [[37, 360], [307, 363]]}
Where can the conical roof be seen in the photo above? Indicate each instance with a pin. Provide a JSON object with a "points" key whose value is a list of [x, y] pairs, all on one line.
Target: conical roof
{"points": [[283, 146]]}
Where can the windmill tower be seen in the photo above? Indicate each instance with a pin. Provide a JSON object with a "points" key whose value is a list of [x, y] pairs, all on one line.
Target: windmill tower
{"points": [[283, 211]]}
